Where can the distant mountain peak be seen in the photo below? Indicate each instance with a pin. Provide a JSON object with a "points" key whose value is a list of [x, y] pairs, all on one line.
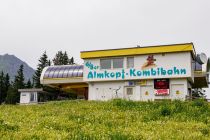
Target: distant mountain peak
{"points": [[10, 64]]}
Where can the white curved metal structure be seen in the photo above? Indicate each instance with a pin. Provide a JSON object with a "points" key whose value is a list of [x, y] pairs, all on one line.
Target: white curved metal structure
{"points": [[64, 74]]}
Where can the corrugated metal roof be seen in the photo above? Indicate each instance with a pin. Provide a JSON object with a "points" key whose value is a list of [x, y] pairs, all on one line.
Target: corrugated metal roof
{"points": [[65, 71]]}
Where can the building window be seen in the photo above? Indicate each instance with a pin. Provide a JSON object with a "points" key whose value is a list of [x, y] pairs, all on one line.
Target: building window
{"points": [[129, 91], [130, 62], [118, 63], [32, 97], [105, 63]]}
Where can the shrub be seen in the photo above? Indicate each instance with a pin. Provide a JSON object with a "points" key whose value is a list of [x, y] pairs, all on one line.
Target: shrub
{"points": [[200, 103], [165, 111], [204, 131]]}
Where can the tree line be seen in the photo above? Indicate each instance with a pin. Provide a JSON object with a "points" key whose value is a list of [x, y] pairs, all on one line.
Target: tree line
{"points": [[9, 89]]}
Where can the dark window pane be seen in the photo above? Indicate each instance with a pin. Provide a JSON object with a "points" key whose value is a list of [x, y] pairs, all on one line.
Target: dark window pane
{"points": [[32, 97], [129, 91], [105, 63], [118, 63], [198, 67], [130, 62]]}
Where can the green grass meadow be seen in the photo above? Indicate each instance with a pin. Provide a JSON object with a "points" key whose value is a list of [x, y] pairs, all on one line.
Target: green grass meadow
{"points": [[112, 120]]}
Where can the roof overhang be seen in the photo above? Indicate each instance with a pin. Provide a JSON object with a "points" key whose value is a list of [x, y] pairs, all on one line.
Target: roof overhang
{"points": [[48, 81], [31, 90], [71, 86], [188, 47], [201, 79]]}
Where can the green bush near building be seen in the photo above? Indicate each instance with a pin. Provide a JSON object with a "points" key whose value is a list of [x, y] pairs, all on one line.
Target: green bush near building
{"points": [[114, 120]]}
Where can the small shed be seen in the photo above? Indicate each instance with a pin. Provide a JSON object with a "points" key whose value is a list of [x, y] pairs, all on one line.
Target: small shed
{"points": [[29, 96]]}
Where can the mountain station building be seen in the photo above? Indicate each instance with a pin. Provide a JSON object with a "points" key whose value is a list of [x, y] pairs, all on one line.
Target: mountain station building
{"points": [[138, 73]]}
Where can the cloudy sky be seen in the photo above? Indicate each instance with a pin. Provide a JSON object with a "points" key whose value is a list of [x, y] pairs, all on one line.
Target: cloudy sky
{"points": [[29, 27]]}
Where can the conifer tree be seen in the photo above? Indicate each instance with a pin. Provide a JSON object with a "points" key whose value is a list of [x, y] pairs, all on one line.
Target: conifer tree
{"points": [[49, 62], [62, 59], [6, 86], [29, 84], [13, 96], [65, 59], [71, 62], [2, 88], [19, 78], [43, 62], [58, 58], [7, 82], [19, 82]]}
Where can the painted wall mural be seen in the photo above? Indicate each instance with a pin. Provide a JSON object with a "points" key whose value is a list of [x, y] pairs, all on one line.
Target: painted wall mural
{"points": [[150, 63]]}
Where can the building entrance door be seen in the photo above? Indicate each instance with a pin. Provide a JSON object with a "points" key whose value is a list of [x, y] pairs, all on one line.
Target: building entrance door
{"points": [[177, 91], [147, 92], [104, 94]]}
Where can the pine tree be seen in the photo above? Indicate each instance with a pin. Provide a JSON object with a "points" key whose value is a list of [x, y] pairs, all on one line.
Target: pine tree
{"points": [[65, 59], [49, 62], [2, 87], [6, 86], [29, 84], [62, 59], [58, 59], [19, 78], [7, 82], [13, 96], [19, 82], [71, 62], [43, 62]]}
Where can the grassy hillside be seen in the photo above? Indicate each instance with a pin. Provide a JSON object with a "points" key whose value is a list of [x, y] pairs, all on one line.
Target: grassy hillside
{"points": [[116, 119]]}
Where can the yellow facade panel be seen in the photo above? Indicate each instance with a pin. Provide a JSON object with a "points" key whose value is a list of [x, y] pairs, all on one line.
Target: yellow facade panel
{"points": [[138, 51]]}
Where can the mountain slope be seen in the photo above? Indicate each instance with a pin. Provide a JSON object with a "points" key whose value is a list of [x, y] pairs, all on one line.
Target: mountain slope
{"points": [[10, 64]]}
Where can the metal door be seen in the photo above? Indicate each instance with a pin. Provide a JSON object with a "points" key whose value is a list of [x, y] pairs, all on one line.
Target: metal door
{"points": [[177, 91], [147, 93]]}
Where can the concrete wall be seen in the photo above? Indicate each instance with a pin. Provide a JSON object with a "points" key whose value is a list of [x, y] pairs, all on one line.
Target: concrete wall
{"points": [[103, 86], [25, 97], [142, 92], [105, 90], [167, 61]]}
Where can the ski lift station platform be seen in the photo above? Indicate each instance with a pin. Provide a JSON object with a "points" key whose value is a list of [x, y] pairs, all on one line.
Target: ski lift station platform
{"points": [[138, 73]]}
